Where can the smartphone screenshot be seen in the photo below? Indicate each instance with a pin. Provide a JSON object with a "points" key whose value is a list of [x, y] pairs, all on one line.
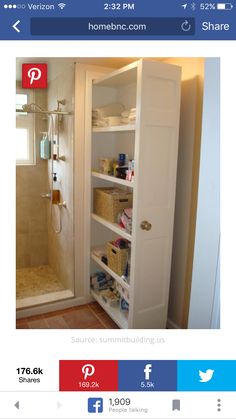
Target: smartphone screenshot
{"points": [[117, 290]]}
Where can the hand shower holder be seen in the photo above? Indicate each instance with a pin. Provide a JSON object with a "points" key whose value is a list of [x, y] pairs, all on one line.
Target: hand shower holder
{"points": [[62, 204]]}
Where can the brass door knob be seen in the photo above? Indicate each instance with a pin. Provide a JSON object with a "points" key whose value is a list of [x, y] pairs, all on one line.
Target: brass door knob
{"points": [[145, 225]]}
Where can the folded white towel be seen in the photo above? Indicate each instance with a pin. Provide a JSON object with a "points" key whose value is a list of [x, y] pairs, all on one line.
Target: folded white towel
{"points": [[124, 121], [99, 123], [109, 110], [125, 114], [129, 120]]}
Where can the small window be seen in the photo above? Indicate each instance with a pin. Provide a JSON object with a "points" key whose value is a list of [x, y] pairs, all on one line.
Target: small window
{"points": [[25, 138], [22, 141], [21, 99]]}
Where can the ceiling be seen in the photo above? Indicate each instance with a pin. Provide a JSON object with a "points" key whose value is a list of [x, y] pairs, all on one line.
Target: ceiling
{"points": [[58, 65]]}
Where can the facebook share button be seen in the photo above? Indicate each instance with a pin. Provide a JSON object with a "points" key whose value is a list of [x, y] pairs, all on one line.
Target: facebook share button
{"points": [[147, 375]]}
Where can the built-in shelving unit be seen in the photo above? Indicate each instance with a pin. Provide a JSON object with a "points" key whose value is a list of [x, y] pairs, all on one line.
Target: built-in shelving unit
{"points": [[153, 88], [119, 78], [113, 179], [115, 128], [114, 311], [113, 227], [110, 272]]}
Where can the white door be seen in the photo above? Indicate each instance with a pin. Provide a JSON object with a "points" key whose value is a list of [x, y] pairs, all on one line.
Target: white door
{"points": [[156, 148]]}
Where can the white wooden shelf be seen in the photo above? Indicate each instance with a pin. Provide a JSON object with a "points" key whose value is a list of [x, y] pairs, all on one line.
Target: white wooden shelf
{"points": [[113, 311], [110, 272], [112, 226], [113, 179], [115, 128]]}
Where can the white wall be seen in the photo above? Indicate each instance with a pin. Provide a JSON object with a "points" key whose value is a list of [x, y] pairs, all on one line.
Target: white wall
{"points": [[205, 286]]}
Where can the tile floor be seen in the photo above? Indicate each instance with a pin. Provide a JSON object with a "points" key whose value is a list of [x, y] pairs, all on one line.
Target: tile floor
{"points": [[88, 316], [35, 281]]}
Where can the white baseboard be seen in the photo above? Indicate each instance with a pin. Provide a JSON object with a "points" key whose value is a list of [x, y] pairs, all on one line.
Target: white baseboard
{"points": [[172, 325]]}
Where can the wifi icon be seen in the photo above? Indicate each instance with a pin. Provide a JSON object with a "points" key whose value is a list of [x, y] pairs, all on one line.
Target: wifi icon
{"points": [[61, 5]]}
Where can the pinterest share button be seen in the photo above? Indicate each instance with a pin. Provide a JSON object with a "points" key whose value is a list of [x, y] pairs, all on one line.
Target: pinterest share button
{"points": [[34, 76], [88, 375]]}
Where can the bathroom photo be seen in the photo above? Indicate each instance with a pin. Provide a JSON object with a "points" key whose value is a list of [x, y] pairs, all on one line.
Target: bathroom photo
{"points": [[117, 193]]}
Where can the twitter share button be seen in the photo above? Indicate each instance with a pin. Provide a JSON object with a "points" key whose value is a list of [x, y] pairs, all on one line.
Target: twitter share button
{"points": [[206, 376]]}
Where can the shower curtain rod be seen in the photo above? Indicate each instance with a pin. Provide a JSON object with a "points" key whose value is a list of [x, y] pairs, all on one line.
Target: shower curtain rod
{"points": [[44, 112]]}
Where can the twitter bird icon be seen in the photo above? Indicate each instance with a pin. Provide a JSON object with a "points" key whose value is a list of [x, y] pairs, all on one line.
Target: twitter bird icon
{"points": [[205, 376]]}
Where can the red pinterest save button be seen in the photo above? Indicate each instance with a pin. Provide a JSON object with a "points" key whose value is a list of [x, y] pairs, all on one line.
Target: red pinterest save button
{"points": [[88, 375]]}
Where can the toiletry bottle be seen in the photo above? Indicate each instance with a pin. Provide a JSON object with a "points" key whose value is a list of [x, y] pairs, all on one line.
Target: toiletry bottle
{"points": [[45, 147], [133, 169], [121, 159]]}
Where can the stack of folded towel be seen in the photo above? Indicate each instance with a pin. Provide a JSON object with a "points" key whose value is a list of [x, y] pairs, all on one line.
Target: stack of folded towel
{"points": [[107, 115], [128, 117]]}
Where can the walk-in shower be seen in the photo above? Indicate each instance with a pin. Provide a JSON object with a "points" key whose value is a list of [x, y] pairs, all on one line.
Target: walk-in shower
{"points": [[54, 134], [44, 187]]}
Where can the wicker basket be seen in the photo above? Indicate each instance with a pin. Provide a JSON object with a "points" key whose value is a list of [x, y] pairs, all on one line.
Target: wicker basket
{"points": [[117, 259], [109, 202]]}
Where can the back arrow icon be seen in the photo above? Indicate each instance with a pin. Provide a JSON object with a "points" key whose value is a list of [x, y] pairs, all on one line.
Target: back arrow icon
{"points": [[15, 26], [17, 405]]}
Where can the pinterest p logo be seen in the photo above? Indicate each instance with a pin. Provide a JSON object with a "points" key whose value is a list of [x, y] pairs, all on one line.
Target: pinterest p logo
{"points": [[34, 76], [88, 370]]}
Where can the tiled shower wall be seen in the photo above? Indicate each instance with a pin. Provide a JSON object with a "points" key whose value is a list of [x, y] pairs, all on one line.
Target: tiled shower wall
{"points": [[61, 246], [31, 209]]}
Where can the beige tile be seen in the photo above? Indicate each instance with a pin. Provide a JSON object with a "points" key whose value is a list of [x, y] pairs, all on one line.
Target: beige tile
{"points": [[23, 206], [31, 282], [38, 249], [22, 224], [22, 250], [38, 223]]}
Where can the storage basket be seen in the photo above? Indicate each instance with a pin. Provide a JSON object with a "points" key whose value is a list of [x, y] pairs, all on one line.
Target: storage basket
{"points": [[117, 259], [109, 202]]}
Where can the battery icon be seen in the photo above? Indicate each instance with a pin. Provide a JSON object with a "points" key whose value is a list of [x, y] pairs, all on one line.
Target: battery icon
{"points": [[224, 6]]}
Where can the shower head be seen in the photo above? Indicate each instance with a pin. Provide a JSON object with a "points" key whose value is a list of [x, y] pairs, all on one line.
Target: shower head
{"points": [[26, 108], [32, 107]]}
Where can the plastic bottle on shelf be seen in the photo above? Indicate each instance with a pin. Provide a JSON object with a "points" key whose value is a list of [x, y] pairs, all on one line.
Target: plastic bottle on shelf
{"points": [[132, 170], [129, 171], [45, 147], [121, 159], [115, 166]]}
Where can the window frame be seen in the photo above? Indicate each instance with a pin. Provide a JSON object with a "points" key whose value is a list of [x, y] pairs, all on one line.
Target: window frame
{"points": [[27, 122]]}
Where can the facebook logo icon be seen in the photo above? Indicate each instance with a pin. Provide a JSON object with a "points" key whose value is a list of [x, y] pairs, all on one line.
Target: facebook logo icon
{"points": [[95, 405], [147, 371]]}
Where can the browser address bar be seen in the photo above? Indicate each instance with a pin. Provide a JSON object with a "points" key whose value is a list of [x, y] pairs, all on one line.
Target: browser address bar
{"points": [[113, 26]]}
